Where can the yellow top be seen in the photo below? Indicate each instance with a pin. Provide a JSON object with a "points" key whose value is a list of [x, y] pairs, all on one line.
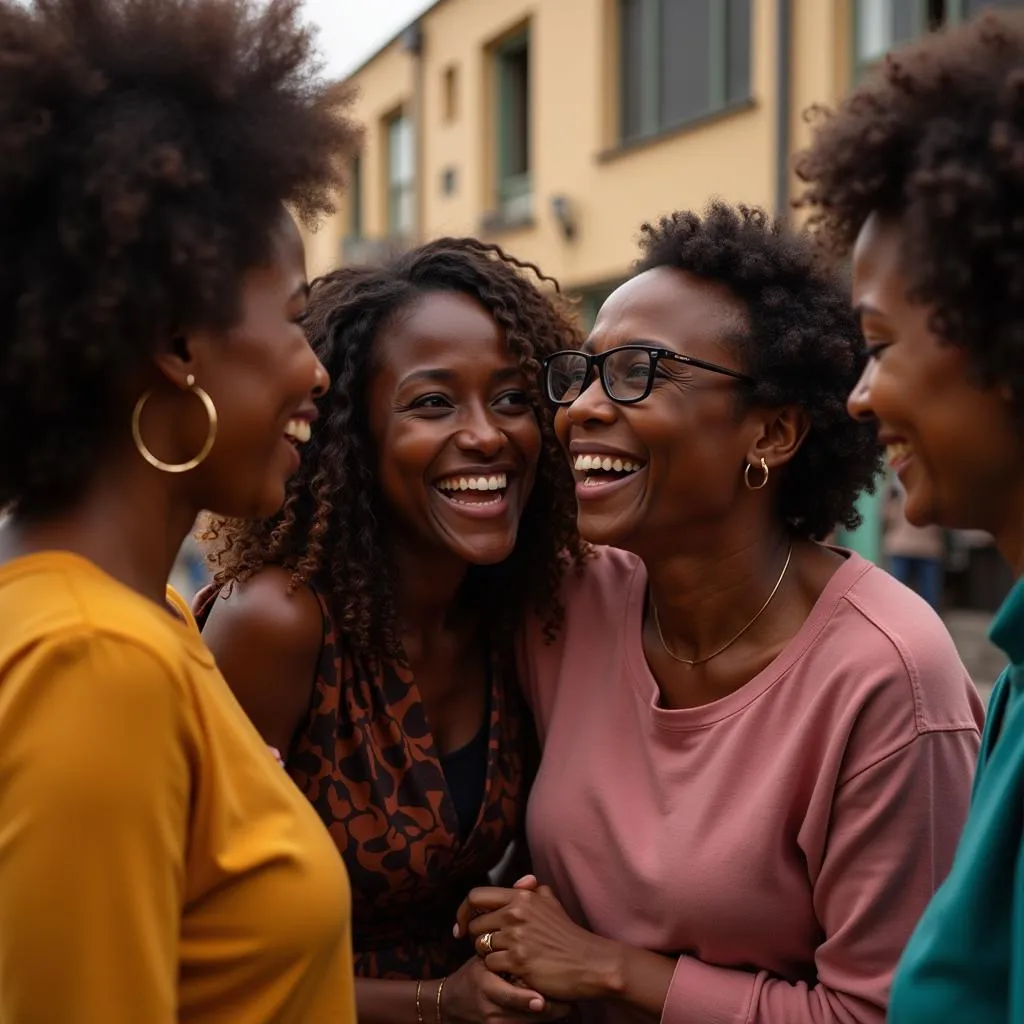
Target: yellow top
{"points": [[156, 865]]}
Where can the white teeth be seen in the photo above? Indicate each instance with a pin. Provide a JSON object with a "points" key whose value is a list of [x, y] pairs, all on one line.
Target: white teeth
{"points": [[895, 452], [298, 430], [498, 482], [592, 463]]}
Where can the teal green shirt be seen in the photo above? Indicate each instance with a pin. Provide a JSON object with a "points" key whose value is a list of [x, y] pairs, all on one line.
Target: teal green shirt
{"points": [[964, 963]]}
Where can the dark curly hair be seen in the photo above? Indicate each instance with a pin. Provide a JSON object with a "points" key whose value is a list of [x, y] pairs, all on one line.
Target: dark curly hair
{"points": [[802, 346], [146, 149], [935, 138], [329, 532]]}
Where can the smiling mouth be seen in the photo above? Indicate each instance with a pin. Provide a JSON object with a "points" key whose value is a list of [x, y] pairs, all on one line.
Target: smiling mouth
{"points": [[897, 452], [298, 431], [599, 469], [474, 490]]}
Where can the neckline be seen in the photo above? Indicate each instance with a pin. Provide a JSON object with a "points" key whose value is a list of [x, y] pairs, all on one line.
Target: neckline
{"points": [[175, 613], [682, 719], [1007, 629]]}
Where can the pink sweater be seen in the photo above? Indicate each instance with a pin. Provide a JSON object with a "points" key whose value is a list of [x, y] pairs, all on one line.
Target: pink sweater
{"points": [[781, 842]]}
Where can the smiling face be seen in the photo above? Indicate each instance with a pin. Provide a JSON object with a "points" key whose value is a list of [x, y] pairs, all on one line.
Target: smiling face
{"points": [[458, 442], [954, 444], [674, 460], [262, 376]]}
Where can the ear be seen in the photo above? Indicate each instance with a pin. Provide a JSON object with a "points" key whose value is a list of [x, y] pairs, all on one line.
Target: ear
{"points": [[175, 360], [782, 433]]}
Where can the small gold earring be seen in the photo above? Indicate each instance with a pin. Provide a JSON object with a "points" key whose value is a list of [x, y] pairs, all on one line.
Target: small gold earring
{"points": [[211, 434]]}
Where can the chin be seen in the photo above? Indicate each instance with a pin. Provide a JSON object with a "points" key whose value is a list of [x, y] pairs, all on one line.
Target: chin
{"points": [[487, 553], [606, 530], [923, 510]]}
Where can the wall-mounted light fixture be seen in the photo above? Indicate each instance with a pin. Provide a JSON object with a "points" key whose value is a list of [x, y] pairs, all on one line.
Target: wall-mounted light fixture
{"points": [[565, 214]]}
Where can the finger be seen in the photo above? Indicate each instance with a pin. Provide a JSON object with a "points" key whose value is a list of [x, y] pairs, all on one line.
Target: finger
{"points": [[489, 898], [512, 997], [462, 919], [484, 923], [480, 901], [526, 882], [486, 944], [547, 892]]}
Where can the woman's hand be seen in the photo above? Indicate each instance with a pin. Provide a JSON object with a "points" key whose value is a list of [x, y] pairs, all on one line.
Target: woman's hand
{"points": [[473, 994], [532, 938]]}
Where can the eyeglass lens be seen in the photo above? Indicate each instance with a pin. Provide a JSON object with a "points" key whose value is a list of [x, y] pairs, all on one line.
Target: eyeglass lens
{"points": [[626, 373]]}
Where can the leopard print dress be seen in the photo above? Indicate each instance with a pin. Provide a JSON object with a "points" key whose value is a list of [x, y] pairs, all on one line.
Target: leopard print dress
{"points": [[365, 759]]}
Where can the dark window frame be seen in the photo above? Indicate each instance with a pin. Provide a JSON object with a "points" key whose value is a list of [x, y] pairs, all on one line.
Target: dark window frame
{"points": [[397, 188], [513, 127], [730, 73]]}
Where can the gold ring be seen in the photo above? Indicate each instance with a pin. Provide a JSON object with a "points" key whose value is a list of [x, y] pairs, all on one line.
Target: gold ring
{"points": [[485, 942]]}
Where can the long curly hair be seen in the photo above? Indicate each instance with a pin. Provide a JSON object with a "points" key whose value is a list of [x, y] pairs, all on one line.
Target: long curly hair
{"points": [[329, 532], [935, 139], [802, 346], [146, 149]]}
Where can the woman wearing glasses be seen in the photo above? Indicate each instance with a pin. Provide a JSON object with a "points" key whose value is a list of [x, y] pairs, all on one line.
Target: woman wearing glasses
{"points": [[757, 749]]}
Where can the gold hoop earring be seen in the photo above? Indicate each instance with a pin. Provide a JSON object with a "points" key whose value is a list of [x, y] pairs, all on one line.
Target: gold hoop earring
{"points": [[211, 434], [746, 476]]}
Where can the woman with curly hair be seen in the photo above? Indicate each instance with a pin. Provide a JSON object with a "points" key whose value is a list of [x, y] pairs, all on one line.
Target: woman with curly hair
{"points": [[154, 864], [757, 749], [368, 628], [920, 173]]}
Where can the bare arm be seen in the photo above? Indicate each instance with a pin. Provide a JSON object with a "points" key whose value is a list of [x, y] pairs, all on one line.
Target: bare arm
{"points": [[266, 642]]}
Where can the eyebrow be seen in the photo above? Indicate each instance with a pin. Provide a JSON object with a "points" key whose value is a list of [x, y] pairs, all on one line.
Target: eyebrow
{"points": [[863, 309], [441, 376]]}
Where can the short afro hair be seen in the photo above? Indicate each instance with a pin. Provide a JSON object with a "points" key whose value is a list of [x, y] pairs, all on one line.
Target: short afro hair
{"points": [[330, 531], [801, 345], [935, 139], [147, 150]]}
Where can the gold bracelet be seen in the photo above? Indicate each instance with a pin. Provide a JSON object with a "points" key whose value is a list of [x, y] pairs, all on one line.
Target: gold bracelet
{"points": [[440, 989], [419, 1005]]}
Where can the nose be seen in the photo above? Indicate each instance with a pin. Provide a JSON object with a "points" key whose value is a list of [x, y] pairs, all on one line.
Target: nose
{"points": [[321, 380], [858, 402], [481, 434], [591, 405]]}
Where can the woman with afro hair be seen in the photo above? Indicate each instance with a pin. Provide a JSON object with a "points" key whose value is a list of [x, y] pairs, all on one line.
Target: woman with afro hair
{"points": [[368, 628], [920, 173], [757, 749], [155, 864]]}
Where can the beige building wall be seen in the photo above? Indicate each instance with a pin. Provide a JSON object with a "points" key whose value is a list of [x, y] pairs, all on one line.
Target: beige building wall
{"points": [[574, 117]]}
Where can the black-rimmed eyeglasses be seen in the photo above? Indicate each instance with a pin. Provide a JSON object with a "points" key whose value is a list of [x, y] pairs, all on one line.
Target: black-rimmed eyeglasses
{"points": [[627, 372]]}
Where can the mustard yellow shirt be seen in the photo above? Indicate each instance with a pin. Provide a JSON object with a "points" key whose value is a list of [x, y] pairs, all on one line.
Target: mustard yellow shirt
{"points": [[156, 865]]}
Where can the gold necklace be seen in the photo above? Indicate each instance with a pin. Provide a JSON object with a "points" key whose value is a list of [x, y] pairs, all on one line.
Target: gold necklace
{"points": [[729, 643]]}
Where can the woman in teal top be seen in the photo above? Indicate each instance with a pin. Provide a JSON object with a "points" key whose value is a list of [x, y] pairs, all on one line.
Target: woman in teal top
{"points": [[920, 173]]}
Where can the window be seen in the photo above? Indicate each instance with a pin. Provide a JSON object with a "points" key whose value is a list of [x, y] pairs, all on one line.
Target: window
{"points": [[680, 60], [880, 25], [972, 7], [512, 68], [355, 198], [450, 93], [401, 176]]}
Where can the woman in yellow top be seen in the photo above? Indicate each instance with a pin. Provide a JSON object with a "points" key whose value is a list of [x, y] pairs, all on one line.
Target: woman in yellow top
{"points": [[155, 863]]}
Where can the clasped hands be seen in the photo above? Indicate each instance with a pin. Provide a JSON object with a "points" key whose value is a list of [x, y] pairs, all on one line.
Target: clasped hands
{"points": [[525, 933]]}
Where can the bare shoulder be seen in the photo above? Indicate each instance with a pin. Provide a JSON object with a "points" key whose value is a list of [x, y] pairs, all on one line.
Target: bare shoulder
{"points": [[270, 612], [266, 638]]}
